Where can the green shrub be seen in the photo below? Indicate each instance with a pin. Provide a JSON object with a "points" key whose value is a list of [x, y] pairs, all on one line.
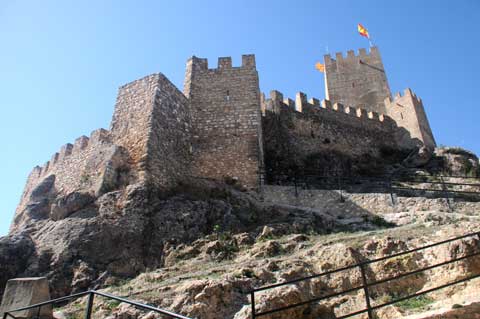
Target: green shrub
{"points": [[414, 303], [84, 178], [112, 304], [380, 222]]}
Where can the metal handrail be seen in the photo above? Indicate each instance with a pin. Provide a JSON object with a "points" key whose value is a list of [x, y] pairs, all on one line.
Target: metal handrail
{"points": [[300, 170], [388, 183], [88, 310], [375, 179], [369, 309]]}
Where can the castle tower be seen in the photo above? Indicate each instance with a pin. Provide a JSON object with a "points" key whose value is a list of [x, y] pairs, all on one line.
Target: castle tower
{"points": [[152, 122], [358, 81], [408, 112], [226, 119]]}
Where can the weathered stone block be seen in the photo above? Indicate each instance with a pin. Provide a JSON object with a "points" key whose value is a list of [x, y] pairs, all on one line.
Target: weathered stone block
{"points": [[23, 292]]}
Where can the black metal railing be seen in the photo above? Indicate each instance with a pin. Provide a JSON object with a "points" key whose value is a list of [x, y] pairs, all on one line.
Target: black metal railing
{"points": [[366, 285], [89, 307], [436, 186]]}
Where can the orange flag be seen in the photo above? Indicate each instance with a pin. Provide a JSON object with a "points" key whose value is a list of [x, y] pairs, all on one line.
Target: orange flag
{"points": [[363, 32], [320, 67]]}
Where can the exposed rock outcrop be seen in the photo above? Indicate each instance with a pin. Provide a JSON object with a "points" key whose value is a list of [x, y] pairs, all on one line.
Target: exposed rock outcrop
{"points": [[418, 157], [124, 232], [457, 161]]}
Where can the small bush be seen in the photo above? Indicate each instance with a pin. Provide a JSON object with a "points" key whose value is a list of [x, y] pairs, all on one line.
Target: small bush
{"points": [[112, 304], [248, 273], [414, 303], [230, 180], [380, 222], [84, 179], [227, 250], [458, 151]]}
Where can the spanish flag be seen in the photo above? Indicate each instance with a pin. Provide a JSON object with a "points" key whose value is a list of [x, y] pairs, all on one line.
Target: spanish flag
{"points": [[320, 67], [363, 32]]}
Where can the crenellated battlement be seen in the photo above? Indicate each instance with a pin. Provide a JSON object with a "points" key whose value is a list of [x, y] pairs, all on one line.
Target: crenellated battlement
{"points": [[408, 112], [351, 56], [357, 79], [161, 136], [408, 93], [226, 107], [68, 150], [224, 63], [277, 103]]}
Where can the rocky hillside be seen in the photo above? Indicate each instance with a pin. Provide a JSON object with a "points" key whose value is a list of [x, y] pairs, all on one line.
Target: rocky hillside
{"points": [[210, 277], [124, 232], [198, 248]]}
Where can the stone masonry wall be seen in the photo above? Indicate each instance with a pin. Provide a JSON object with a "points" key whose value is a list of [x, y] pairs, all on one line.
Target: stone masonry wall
{"points": [[225, 104], [358, 81], [132, 117], [149, 142], [152, 122], [160, 135], [324, 136], [407, 110], [169, 145], [75, 167], [357, 205]]}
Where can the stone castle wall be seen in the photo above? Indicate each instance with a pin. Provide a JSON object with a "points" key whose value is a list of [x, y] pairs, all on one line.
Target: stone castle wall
{"points": [[169, 148], [404, 209], [152, 122], [132, 119], [75, 165], [83, 165], [408, 112], [215, 129], [319, 135], [357, 80], [225, 105]]}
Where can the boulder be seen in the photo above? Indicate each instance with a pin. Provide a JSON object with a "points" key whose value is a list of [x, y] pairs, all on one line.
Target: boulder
{"points": [[39, 209], [113, 171], [418, 157], [44, 188], [37, 205], [66, 205], [457, 161]]}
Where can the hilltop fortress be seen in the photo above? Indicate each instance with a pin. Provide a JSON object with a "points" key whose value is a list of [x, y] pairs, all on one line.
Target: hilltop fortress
{"points": [[222, 127]]}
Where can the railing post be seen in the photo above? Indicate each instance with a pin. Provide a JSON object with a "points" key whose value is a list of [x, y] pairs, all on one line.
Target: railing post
{"points": [[252, 296], [445, 191], [365, 289], [390, 189], [305, 180], [340, 188], [38, 312], [295, 182], [261, 182], [88, 310]]}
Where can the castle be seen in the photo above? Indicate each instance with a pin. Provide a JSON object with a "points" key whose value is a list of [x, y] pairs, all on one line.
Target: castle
{"points": [[221, 126]]}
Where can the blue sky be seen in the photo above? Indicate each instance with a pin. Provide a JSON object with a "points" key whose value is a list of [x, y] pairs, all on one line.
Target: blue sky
{"points": [[61, 62]]}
